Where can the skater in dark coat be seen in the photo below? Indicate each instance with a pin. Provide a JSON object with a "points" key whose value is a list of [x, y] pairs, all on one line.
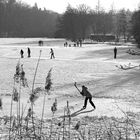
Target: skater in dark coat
{"points": [[29, 52], [52, 54], [21, 53], [87, 95], [115, 53]]}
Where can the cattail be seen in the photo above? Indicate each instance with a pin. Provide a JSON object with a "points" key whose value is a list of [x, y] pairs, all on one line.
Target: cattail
{"points": [[17, 74], [54, 106], [37, 90], [29, 114], [18, 68], [22, 74], [22, 77], [33, 97], [77, 125], [53, 109], [15, 95], [0, 103], [68, 109], [48, 83], [59, 124]]}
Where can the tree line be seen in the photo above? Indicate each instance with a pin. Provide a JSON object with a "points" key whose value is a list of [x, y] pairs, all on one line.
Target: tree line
{"points": [[80, 22], [18, 19]]}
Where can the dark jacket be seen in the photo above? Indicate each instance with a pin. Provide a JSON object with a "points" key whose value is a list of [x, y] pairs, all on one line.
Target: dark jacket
{"points": [[85, 92], [115, 50]]}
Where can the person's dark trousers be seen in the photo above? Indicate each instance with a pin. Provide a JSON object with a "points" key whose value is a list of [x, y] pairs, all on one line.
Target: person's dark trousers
{"points": [[52, 56], [90, 100], [115, 56]]}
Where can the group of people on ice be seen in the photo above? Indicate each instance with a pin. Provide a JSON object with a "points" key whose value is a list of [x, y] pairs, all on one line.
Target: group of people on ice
{"points": [[29, 53], [77, 43]]}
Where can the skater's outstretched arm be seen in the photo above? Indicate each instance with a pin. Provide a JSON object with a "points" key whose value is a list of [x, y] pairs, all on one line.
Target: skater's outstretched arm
{"points": [[75, 84]]}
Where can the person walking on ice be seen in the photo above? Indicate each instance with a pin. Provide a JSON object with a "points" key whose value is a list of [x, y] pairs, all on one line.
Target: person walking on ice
{"points": [[52, 54], [115, 53], [29, 52], [87, 95], [21, 53]]}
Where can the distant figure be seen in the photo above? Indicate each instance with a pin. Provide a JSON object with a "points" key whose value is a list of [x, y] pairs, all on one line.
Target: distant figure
{"points": [[87, 95], [40, 43], [29, 52], [52, 54], [80, 42], [21, 53], [77, 42], [74, 44], [115, 53], [65, 44]]}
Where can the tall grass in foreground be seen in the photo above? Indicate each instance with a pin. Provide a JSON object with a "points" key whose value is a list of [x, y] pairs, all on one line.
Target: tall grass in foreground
{"points": [[86, 128], [19, 81]]}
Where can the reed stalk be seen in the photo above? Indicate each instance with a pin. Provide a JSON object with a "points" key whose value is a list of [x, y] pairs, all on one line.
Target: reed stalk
{"points": [[44, 100], [48, 85], [11, 110], [33, 89]]}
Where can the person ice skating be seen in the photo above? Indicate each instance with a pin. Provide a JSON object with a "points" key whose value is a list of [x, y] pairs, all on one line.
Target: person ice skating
{"points": [[21, 53], [52, 54], [29, 52], [87, 95], [115, 53]]}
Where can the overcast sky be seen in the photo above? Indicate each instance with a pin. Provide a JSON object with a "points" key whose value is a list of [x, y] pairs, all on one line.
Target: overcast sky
{"points": [[60, 5]]}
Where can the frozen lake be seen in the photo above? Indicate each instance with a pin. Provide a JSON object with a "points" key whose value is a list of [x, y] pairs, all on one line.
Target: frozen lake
{"points": [[92, 65]]}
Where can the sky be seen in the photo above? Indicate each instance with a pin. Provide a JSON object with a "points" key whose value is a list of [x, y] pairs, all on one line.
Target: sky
{"points": [[60, 5]]}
